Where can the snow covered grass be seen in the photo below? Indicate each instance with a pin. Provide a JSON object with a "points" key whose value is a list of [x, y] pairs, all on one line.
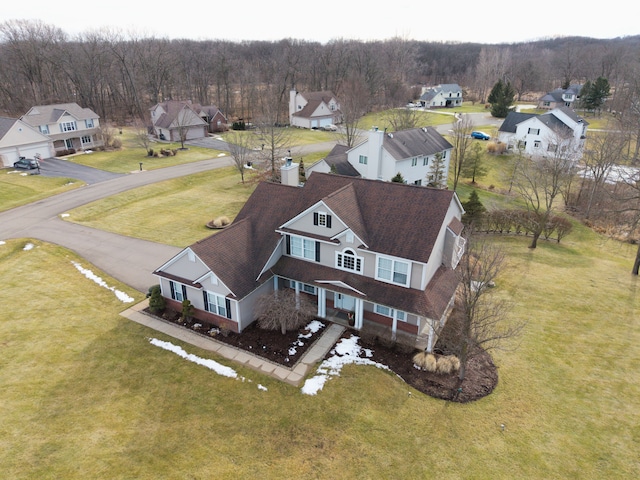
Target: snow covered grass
{"points": [[346, 352], [123, 297]]}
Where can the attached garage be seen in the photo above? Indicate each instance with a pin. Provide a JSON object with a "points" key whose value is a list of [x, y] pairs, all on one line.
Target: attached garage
{"points": [[17, 139]]}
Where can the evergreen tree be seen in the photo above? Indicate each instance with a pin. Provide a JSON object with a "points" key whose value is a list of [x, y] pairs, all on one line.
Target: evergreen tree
{"points": [[398, 178], [473, 210], [593, 95], [501, 98], [473, 166]]}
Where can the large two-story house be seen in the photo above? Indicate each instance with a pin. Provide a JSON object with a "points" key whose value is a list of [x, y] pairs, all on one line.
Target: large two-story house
{"points": [[561, 97], [447, 95], [68, 125], [313, 109], [412, 153], [380, 252], [539, 135], [176, 121]]}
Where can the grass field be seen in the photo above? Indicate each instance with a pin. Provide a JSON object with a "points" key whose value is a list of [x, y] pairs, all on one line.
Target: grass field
{"points": [[85, 395], [20, 188], [174, 212]]}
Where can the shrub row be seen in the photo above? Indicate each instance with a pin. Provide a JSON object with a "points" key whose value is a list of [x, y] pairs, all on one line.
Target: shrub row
{"points": [[514, 221], [441, 364]]}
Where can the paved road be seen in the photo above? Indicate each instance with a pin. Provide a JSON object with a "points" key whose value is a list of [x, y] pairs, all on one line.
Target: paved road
{"points": [[130, 260]]}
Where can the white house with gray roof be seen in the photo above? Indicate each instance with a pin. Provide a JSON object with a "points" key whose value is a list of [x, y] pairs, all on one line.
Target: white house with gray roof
{"points": [[18, 139], [537, 135], [447, 95], [70, 126], [411, 153], [561, 97]]}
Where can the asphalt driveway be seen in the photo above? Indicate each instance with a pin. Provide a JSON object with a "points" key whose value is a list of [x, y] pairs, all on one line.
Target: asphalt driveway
{"points": [[54, 167]]}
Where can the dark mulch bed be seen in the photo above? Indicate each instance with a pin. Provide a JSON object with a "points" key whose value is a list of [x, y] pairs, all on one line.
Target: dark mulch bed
{"points": [[269, 344], [480, 379]]}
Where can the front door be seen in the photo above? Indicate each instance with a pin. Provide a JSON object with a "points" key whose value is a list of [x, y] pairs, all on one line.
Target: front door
{"points": [[344, 302]]}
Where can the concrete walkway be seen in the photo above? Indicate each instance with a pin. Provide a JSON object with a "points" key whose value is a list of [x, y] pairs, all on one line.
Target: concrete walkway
{"points": [[293, 376]]}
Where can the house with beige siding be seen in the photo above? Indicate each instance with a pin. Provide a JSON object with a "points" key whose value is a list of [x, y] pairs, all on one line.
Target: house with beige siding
{"points": [[71, 127], [19, 139], [376, 252], [313, 109]]}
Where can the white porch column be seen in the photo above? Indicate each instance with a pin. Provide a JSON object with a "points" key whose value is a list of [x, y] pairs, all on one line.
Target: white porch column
{"points": [[322, 302], [430, 337], [394, 326], [275, 284], [359, 311]]}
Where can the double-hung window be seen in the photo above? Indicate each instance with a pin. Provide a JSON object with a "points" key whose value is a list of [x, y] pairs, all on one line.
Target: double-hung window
{"points": [[393, 271], [534, 131], [44, 129], [178, 291], [414, 161], [68, 126], [216, 304], [302, 248], [89, 123], [85, 139], [363, 159]]}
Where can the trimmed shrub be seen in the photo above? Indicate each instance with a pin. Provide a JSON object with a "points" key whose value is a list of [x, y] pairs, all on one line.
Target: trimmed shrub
{"points": [[157, 303], [455, 362], [187, 310]]}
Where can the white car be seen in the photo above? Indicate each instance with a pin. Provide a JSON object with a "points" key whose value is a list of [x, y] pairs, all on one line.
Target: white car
{"points": [[329, 128]]}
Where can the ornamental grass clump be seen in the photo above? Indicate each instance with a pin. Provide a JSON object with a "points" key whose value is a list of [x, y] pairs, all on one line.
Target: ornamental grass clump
{"points": [[425, 361]]}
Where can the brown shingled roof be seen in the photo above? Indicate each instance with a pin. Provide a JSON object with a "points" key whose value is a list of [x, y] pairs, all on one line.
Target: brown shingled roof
{"points": [[394, 219]]}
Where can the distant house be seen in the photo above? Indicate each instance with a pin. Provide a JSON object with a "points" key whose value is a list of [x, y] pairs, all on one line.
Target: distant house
{"points": [[68, 125], [448, 95], [19, 139], [561, 97], [377, 252], [175, 120], [216, 120], [314, 109], [412, 153], [540, 134]]}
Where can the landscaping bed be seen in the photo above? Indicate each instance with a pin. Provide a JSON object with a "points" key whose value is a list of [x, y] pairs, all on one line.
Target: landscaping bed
{"points": [[480, 379], [271, 345]]}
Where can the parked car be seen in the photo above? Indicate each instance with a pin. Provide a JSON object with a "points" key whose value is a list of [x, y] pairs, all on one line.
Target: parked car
{"points": [[329, 128], [480, 135], [28, 163]]}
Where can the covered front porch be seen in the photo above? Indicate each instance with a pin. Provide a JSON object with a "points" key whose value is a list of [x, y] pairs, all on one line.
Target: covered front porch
{"points": [[338, 303]]}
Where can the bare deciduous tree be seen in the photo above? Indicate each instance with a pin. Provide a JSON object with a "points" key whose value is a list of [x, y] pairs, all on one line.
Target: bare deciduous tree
{"points": [[284, 310], [482, 317], [461, 139], [240, 148], [540, 180]]}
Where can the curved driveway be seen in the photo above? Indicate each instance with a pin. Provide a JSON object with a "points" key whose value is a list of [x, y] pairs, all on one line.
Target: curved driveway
{"points": [[127, 259]]}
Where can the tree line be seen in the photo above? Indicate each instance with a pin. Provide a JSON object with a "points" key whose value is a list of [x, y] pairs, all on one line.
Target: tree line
{"points": [[121, 75]]}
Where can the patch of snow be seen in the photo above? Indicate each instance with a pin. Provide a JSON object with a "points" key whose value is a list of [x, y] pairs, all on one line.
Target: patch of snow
{"points": [[346, 352], [28, 246], [2, 242], [123, 297], [262, 387], [64, 215], [313, 327], [210, 364], [222, 155]]}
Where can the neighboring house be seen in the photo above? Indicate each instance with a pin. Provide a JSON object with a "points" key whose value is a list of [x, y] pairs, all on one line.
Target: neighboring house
{"points": [[175, 121], [561, 97], [412, 153], [70, 127], [214, 117], [539, 134], [19, 139], [380, 252], [448, 95], [313, 110]]}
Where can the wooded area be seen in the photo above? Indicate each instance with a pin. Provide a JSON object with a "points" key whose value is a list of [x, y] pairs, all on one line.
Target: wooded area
{"points": [[121, 75]]}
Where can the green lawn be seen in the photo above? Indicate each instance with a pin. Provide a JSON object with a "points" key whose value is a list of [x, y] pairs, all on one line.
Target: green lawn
{"points": [[174, 212], [85, 395], [21, 188]]}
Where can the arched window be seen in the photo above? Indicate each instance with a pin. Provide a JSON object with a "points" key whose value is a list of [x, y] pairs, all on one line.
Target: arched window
{"points": [[347, 260]]}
